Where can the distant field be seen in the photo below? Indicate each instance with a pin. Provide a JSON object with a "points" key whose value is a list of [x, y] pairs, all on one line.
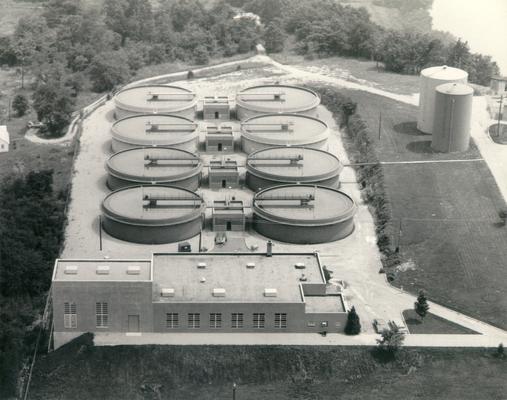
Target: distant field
{"points": [[450, 235], [79, 371], [12, 11]]}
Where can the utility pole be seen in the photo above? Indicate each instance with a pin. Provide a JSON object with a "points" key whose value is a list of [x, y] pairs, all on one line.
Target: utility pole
{"points": [[499, 117], [379, 124], [234, 386], [100, 232]]}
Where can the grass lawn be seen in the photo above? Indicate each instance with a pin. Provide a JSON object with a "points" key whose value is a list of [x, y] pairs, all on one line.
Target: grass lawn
{"points": [[12, 11], [433, 324], [80, 371], [450, 236]]}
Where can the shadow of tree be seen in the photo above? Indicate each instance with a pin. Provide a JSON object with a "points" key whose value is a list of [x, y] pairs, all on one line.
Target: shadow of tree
{"points": [[420, 147]]}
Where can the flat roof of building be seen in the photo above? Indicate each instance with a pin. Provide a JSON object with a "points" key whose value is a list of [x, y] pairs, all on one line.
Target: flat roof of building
{"points": [[243, 276], [284, 129], [151, 130], [153, 205], [298, 164], [304, 204], [324, 304], [155, 99], [277, 98], [87, 270], [149, 164]]}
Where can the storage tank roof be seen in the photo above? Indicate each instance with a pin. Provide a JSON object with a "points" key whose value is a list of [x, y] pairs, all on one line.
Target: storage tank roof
{"points": [[304, 205], [152, 205], [154, 164], [455, 89], [153, 130], [297, 164], [155, 99], [277, 98], [284, 129], [444, 73]]}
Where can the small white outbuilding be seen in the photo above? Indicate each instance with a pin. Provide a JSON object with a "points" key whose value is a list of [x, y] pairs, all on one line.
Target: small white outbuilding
{"points": [[4, 139]]}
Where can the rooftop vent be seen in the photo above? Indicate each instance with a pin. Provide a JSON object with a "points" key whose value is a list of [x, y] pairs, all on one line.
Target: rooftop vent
{"points": [[300, 265], [202, 280], [270, 292], [219, 292], [133, 270], [250, 265], [102, 270], [201, 265], [167, 292], [71, 269], [303, 278]]}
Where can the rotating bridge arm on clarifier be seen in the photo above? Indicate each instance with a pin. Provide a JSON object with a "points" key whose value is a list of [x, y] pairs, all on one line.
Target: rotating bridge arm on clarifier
{"points": [[154, 161], [271, 127], [271, 96], [293, 160], [302, 200], [172, 96], [170, 127], [151, 201]]}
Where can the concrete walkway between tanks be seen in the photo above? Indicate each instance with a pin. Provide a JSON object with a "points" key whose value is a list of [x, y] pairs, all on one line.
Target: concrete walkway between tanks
{"points": [[285, 339]]}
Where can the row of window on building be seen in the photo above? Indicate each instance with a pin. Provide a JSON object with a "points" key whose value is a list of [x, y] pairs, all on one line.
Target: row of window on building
{"points": [[173, 319]]}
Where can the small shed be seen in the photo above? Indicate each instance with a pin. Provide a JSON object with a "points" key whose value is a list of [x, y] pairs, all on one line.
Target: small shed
{"points": [[5, 140], [498, 84], [217, 108], [223, 173], [228, 215], [219, 138]]}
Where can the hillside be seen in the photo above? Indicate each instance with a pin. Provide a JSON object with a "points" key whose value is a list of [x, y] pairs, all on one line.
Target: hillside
{"points": [[81, 371]]}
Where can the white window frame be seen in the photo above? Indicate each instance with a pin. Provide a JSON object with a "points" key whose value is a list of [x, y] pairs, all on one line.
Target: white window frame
{"points": [[237, 320], [69, 315], [194, 320], [172, 320], [280, 320], [259, 320], [102, 314], [215, 320]]}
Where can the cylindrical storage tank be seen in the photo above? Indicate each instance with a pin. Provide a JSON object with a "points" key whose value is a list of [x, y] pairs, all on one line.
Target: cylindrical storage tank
{"points": [[269, 99], [152, 214], [292, 165], [282, 130], [155, 99], [155, 130], [303, 214], [453, 113], [430, 79], [152, 166]]}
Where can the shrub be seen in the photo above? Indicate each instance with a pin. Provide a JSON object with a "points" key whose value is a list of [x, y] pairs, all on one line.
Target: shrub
{"points": [[353, 326], [20, 105], [391, 340]]}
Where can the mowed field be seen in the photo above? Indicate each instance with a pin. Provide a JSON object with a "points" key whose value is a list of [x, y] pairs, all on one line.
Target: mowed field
{"points": [[450, 236]]}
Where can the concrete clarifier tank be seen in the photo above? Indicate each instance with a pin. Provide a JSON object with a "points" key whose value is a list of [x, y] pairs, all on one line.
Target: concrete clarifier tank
{"points": [[282, 130], [155, 99], [152, 166], [453, 114], [292, 165], [303, 214], [429, 80], [155, 130], [269, 99], [152, 214]]}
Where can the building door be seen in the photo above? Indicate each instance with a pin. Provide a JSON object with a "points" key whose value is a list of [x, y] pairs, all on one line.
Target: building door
{"points": [[224, 183], [217, 115], [133, 323], [219, 146], [229, 225]]}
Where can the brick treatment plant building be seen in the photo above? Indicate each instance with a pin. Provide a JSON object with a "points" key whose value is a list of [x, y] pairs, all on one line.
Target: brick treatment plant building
{"points": [[195, 292]]}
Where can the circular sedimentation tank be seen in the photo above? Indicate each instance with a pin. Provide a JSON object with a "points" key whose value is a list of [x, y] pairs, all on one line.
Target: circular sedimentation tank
{"points": [[152, 166], [152, 214], [303, 214], [155, 130], [429, 80], [282, 130], [268, 99], [292, 165], [453, 113], [155, 99]]}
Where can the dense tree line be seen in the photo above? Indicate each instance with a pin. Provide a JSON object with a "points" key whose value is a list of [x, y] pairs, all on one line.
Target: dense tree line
{"points": [[31, 232]]}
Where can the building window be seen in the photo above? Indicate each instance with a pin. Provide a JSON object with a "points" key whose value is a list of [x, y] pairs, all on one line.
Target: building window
{"points": [[237, 320], [172, 320], [194, 320], [69, 315], [311, 324], [215, 320], [102, 313], [323, 324], [258, 320], [280, 320]]}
